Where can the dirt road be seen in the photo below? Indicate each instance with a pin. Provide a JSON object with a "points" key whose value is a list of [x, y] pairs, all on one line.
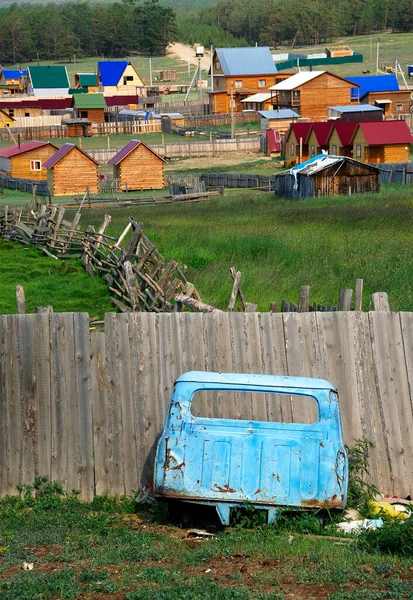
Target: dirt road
{"points": [[188, 53]]}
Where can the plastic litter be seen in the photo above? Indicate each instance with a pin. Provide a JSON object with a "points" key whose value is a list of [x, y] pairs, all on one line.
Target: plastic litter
{"points": [[360, 525]]}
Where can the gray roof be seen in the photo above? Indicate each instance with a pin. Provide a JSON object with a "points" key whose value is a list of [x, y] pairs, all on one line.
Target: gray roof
{"points": [[283, 113], [246, 61], [355, 108]]}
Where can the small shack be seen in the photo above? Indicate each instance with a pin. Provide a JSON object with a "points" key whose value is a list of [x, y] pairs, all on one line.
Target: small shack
{"points": [[355, 113], [78, 127], [137, 167], [71, 171], [277, 119], [27, 160], [90, 106], [326, 175]]}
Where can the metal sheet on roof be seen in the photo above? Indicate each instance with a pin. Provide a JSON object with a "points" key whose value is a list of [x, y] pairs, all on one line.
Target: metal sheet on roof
{"points": [[384, 101], [296, 80], [111, 71], [283, 113], [260, 97], [375, 83], [49, 77], [21, 149], [246, 61], [353, 108]]}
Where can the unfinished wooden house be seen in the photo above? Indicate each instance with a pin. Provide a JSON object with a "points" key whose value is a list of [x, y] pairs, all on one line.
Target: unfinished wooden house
{"points": [[71, 171], [137, 167], [384, 142], [325, 175], [310, 93], [27, 161], [116, 75], [296, 147]]}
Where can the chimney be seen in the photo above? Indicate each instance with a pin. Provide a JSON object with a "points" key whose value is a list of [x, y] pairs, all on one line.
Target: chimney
{"points": [[18, 140]]}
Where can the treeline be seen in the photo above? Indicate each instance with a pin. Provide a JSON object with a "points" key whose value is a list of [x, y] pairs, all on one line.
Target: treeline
{"points": [[293, 22], [59, 31]]}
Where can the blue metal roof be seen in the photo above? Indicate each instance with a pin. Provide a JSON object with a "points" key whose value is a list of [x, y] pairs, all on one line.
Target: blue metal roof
{"points": [[375, 83], [356, 108], [283, 113], [246, 61], [111, 71], [13, 73], [206, 377]]}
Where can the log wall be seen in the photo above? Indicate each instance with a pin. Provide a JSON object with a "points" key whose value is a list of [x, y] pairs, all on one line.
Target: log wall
{"points": [[141, 170], [20, 165], [72, 174]]}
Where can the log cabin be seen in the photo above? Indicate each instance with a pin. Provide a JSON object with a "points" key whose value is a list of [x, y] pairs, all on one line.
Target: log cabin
{"points": [[310, 93], [27, 161], [89, 106], [70, 171], [385, 142], [137, 167], [296, 147]]}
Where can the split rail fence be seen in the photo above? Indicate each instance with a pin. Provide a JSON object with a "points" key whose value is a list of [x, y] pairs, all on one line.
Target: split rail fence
{"points": [[87, 408]]}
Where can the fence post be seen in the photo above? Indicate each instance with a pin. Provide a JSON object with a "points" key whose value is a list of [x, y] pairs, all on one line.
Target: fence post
{"points": [[381, 302], [304, 298], [344, 299]]}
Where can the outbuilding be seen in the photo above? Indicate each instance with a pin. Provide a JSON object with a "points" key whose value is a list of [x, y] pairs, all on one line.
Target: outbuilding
{"points": [[277, 119], [27, 160], [355, 113], [137, 167], [327, 175], [90, 106], [71, 171]]}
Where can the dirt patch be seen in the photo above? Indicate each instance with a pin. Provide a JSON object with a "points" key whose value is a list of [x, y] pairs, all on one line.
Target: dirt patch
{"points": [[205, 162]]}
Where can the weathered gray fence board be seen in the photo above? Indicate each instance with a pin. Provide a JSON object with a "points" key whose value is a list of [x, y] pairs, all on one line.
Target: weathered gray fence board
{"points": [[87, 409]]}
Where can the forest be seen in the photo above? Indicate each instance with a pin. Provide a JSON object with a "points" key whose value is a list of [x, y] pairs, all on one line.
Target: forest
{"points": [[57, 31]]}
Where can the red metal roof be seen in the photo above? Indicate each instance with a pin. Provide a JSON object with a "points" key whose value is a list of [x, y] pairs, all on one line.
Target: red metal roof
{"points": [[65, 149], [121, 100], [43, 103], [322, 131], [381, 133], [26, 147], [345, 131], [301, 130], [123, 152]]}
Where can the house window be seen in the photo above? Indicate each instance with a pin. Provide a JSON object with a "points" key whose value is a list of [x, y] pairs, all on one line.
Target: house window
{"points": [[358, 151], [312, 150], [334, 150], [238, 83], [35, 165], [11, 112], [218, 65], [127, 78], [296, 96], [84, 114], [216, 83], [262, 82], [399, 107], [27, 114], [292, 149]]}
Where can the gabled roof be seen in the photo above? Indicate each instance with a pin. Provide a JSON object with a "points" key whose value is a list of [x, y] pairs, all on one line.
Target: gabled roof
{"points": [[49, 77], [89, 101], [246, 61], [132, 145], [322, 131], [302, 78], [375, 83], [382, 133], [345, 131], [283, 113], [300, 130], [63, 151], [111, 71], [323, 161], [16, 150], [87, 79], [5, 116], [354, 108], [13, 73]]}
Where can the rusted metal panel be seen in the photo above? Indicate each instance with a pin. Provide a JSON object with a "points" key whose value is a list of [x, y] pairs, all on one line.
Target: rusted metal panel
{"points": [[218, 461]]}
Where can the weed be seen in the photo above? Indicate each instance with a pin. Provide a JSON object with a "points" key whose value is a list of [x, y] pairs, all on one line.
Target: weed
{"points": [[31, 585], [248, 516], [394, 538], [360, 490]]}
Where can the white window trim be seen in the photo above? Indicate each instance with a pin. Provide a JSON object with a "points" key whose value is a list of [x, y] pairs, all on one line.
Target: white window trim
{"points": [[33, 165]]}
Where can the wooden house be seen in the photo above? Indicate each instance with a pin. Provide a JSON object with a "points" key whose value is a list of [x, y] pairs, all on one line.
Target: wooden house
{"points": [[87, 81], [238, 73], [317, 139], [355, 113], [325, 175], [277, 119], [5, 119], [12, 81], [385, 142], [48, 81], [310, 93], [382, 91], [340, 139], [71, 171], [117, 75], [296, 147], [89, 106], [137, 167], [27, 161]]}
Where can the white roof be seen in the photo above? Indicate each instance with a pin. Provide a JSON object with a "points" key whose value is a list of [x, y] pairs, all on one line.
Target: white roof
{"points": [[260, 97], [296, 80]]}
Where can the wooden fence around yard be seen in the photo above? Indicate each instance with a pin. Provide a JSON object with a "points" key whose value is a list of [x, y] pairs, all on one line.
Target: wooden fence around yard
{"points": [[87, 408]]}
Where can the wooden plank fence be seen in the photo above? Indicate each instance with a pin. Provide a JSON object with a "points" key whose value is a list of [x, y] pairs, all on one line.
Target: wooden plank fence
{"points": [[24, 185], [87, 408]]}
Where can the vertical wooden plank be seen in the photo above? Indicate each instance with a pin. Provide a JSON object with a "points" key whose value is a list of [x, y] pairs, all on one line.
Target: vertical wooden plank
{"points": [[381, 301], [99, 398], [116, 467], [235, 357], [253, 361], [358, 303], [29, 413], [84, 448], [391, 380], [59, 444], [304, 298], [344, 299], [13, 420], [3, 407]]}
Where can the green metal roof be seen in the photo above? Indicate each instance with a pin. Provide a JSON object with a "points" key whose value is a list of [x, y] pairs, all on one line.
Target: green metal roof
{"points": [[49, 77], [88, 79], [89, 101]]}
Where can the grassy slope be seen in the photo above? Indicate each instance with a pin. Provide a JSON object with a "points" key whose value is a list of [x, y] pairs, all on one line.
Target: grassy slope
{"points": [[277, 244]]}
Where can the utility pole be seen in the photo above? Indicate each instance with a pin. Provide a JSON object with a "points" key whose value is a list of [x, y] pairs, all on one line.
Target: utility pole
{"points": [[150, 70], [212, 68], [232, 111], [377, 56]]}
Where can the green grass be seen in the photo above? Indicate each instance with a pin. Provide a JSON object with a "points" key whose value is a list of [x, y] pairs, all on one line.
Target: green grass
{"points": [[277, 244], [104, 549]]}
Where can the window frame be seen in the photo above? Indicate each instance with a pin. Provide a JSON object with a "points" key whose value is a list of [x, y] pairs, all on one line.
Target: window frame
{"points": [[33, 164]]}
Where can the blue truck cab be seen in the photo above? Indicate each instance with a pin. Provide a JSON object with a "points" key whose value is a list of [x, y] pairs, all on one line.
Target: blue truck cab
{"points": [[270, 464]]}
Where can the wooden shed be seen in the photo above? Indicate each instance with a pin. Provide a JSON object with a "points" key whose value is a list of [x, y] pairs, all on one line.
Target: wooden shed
{"points": [[325, 175], [137, 167], [384, 142], [90, 106], [27, 160], [71, 171]]}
